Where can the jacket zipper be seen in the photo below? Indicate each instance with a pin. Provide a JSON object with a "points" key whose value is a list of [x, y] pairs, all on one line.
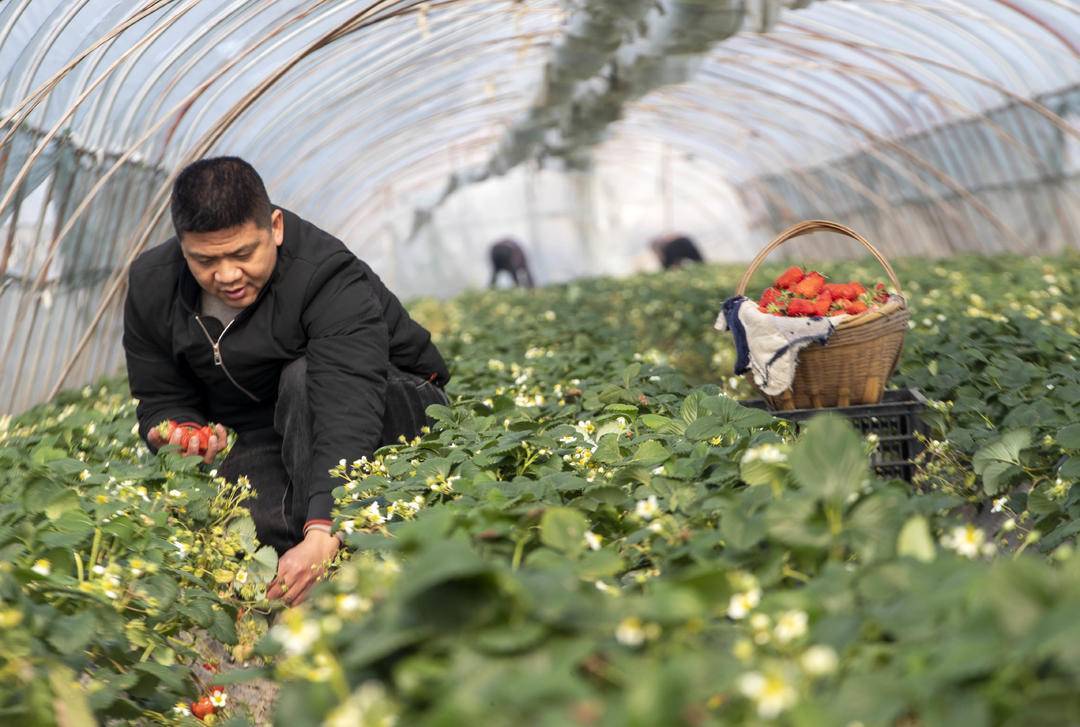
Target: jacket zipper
{"points": [[218, 360]]}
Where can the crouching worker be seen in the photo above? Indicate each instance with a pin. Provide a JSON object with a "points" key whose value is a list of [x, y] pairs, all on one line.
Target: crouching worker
{"points": [[508, 256], [675, 250], [253, 318]]}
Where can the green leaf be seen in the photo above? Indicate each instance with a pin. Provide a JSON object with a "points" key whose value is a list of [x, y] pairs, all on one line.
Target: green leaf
{"points": [[756, 472], [244, 529], [828, 460], [740, 531], [66, 501], [1040, 503], [1070, 468], [994, 461], [663, 424], [69, 634], [650, 454], [512, 639], [690, 407], [607, 450], [704, 428], [264, 563], [171, 677], [600, 564], [996, 476], [440, 413], [1069, 436], [69, 698], [563, 529], [915, 540], [44, 454], [222, 627], [161, 587], [449, 560], [739, 416]]}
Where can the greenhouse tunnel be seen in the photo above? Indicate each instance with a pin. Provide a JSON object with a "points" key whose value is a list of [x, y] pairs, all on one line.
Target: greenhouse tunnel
{"points": [[419, 132]]}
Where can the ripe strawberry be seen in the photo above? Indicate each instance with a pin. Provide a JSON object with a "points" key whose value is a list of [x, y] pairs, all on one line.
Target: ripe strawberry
{"points": [[801, 307], [836, 290], [880, 293], [202, 708], [166, 428], [789, 278], [810, 286], [845, 291], [771, 295], [854, 307], [822, 304], [189, 430]]}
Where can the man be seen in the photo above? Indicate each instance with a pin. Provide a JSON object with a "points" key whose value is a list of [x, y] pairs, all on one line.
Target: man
{"points": [[256, 319], [508, 256]]}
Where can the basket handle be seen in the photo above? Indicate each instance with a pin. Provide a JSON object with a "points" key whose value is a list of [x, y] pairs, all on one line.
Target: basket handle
{"points": [[807, 227]]}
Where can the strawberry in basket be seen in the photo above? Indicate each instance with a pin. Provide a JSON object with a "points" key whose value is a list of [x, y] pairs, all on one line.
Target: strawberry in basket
{"points": [[798, 293]]}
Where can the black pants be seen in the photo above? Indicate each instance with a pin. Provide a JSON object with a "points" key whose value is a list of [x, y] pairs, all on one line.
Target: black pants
{"points": [[277, 460]]}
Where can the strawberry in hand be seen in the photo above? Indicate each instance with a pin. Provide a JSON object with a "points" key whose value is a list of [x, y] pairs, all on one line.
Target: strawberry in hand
{"points": [[194, 440]]}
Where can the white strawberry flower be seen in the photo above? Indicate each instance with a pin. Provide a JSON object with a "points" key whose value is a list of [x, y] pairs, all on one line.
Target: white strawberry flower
{"points": [[741, 604], [593, 540], [819, 660], [647, 509], [791, 625], [630, 632], [772, 693]]}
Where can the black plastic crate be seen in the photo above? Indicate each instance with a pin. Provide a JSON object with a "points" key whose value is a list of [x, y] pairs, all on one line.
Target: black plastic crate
{"points": [[895, 421]]}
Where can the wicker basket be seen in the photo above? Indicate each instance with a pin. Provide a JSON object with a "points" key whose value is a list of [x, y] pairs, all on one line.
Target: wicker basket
{"points": [[862, 353]]}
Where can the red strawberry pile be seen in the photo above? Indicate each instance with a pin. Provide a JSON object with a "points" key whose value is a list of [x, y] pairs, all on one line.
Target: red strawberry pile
{"points": [[797, 293]]}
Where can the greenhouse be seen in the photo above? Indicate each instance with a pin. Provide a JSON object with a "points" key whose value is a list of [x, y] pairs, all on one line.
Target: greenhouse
{"points": [[540, 362]]}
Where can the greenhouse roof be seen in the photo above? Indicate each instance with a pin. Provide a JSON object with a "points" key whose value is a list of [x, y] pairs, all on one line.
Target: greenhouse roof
{"points": [[423, 130]]}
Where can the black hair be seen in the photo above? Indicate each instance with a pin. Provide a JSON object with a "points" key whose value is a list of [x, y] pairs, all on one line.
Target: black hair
{"points": [[216, 194]]}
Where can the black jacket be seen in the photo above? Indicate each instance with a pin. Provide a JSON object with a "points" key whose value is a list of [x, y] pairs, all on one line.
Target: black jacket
{"points": [[321, 302]]}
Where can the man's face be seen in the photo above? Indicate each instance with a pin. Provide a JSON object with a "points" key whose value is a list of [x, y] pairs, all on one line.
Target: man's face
{"points": [[234, 264]]}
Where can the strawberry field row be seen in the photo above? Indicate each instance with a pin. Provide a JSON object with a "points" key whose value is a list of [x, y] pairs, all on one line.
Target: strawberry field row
{"points": [[594, 534]]}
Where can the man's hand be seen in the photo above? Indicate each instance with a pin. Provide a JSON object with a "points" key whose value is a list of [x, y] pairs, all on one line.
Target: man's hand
{"points": [[217, 442], [301, 566]]}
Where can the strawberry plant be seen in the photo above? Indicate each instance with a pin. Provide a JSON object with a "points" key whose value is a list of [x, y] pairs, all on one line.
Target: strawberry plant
{"points": [[595, 533], [112, 560]]}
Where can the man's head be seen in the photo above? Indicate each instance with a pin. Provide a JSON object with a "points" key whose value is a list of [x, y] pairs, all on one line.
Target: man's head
{"points": [[228, 232]]}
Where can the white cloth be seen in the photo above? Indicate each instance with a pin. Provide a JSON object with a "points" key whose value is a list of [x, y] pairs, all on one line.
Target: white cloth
{"points": [[771, 343]]}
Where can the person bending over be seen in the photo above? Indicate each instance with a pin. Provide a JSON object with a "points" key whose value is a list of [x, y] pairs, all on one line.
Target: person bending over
{"points": [[675, 250], [256, 319], [508, 256]]}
